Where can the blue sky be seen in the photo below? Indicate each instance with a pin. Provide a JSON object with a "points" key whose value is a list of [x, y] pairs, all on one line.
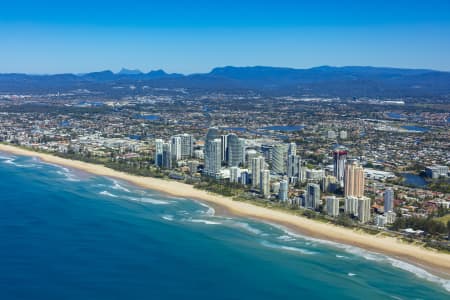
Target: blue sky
{"points": [[195, 36]]}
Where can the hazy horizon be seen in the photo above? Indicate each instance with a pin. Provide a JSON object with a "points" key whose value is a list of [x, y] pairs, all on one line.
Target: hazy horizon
{"points": [[144, 71], [52, 37]]}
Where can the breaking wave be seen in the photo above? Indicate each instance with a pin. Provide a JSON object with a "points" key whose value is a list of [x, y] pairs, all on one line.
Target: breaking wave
{"points": [[287, 248]]}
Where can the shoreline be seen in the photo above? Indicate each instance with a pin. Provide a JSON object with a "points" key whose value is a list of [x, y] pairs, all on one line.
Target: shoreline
{"points": [[435, 262]]}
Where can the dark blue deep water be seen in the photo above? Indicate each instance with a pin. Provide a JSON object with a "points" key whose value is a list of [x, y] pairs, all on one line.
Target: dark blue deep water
{"points": [[69, 235]]}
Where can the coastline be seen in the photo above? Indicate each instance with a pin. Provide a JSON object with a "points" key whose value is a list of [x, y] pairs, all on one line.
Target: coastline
{"points": [[433, 261]]}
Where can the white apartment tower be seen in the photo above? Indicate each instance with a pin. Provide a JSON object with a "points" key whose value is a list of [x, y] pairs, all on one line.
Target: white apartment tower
{"points": [[257, 165]]}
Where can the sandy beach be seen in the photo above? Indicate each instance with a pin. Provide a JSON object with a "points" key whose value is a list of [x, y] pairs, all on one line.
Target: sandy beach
{"points": [[434, 261]]}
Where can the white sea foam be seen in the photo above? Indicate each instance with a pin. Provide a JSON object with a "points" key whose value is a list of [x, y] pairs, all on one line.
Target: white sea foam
{"points": [[207, 222], [106, 193], [167, 217], [373, 256], [419, 272], [210, 211], [67, 174], [12, 161], [287, 248], [286, 238], [7, 157], [117, 186], [148, 200], [245, 226]]}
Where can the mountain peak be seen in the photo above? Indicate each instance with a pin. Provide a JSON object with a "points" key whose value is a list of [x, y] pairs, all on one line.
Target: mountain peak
{"points": [[125, 71]]}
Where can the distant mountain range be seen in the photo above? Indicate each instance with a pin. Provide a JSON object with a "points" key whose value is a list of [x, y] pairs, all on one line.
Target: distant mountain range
{"points": [[320, 81]]}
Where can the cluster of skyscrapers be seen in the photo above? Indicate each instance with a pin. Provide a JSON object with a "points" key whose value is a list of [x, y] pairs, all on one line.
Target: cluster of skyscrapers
{"points": [[273, 168], [168, 153]]}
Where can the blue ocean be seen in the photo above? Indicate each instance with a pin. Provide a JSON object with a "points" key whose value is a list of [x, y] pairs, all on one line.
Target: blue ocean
{"points": [[66, 234]]}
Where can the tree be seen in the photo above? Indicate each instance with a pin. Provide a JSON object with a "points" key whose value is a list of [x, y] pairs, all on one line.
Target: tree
{"points": [[448, 228]]}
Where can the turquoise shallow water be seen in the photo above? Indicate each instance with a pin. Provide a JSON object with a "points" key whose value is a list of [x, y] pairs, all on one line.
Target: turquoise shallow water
{"points": [[70, 235]]}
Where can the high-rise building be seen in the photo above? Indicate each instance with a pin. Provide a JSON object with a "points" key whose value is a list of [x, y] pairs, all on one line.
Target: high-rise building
{"points": [[235, 153], [158, 152], [244, 177], [250, 154], [212, 134], [390, 217], [436, 171], [388, 200], [187, 145], [329, 184], [301, 171], [235, 173], [224, 141], [256, 166], [265, 183], [353, 180], [351, 205], [343, 134], [314, 174], [176, 148], [292, 149], [340, 158], [166, 156], [275, 187], [364, 209], [312, 196], [293, 166], [332, 206], [380, 220], [279, 158], [283, 192], [213, 158], [267, 151]]}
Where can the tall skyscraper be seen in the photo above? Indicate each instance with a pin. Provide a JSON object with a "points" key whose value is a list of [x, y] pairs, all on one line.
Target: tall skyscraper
{"points": [[279, 158], [283, 192], [388, 200], [167, 156], [212, 134], [176, 148], [364, 209], [340, 158], [353, 180], [267, 151], [224, 140], [265, 183], [256, 166], [158, 152], [235, 153], [187, 146], [293, 166], [312, 196], [213, 158], [332, 206], [292, 149]]}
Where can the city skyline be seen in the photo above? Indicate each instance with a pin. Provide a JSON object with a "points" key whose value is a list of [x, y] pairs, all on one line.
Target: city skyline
{"points": [[49, 38]]}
